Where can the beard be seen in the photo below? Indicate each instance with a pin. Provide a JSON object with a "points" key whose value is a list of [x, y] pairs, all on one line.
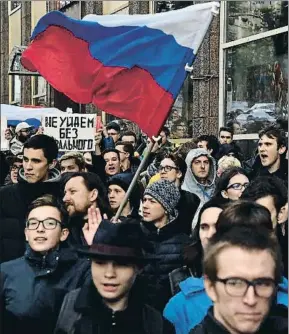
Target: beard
{"points": [[22, 138]]}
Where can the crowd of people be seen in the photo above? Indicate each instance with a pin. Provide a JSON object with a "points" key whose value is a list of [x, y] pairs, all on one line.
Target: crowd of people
{"points": [[201, 245]]}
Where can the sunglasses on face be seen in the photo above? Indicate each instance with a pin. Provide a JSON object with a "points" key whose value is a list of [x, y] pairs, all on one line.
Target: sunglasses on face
{"points": [[238, 186]]}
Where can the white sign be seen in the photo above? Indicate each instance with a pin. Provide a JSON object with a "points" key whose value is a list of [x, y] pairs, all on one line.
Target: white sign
{"points": [[4, 141], [72, 132]]}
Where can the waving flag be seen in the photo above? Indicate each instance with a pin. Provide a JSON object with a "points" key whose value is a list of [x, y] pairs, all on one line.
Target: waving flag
{"points": [[130, 66]]}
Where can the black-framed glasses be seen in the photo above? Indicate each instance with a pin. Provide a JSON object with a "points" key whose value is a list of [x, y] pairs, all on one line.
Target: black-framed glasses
{"points": [[238, 287], [14, 167], [48, 223], [238, 186], [167, 168]]}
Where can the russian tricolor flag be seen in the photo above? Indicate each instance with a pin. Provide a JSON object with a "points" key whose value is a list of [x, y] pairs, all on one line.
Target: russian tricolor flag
{"points": [[130, 66]]}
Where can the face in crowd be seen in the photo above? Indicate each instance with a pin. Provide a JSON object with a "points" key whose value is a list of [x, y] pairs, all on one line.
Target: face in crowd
{"points": [[77, 198], [112, 161], [35, 165], [23, 135], [8, 134], [115, 196], [241, 308], [208, 221], [201, 167], [43, 229], [129, 139], [163, 137], [122, 154], [169, 171], [113, 280], [236, 186], [153, 211], [225, 137], [14, 170], [270, 153], [69, 166], [113, 134]]}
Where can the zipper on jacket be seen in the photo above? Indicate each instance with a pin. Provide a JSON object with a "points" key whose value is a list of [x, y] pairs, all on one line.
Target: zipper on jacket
{"points": [[43, 261]]}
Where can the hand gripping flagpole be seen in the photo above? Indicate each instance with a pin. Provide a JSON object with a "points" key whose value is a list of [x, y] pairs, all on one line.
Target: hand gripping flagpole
{"points": [[134, 180]]}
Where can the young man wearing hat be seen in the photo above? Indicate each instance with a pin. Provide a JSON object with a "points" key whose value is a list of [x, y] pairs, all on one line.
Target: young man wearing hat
{"points": [[21, 135], [113, 302]]}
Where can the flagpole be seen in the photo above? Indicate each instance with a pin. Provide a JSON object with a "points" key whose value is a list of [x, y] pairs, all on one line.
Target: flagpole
{"points": [[134, 180]]}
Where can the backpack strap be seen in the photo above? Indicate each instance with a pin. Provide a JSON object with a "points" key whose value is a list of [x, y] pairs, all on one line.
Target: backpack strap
{"points": [[153, 320], [67, 316]]}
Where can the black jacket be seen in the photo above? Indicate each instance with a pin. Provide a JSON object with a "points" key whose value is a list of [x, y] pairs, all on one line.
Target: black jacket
{"points": [[14, 203], [277, 323], [33, 287], [83, 312], [165, 245]]}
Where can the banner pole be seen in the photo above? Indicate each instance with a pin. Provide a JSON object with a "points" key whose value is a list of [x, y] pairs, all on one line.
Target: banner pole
{"points": [[134, 180]]}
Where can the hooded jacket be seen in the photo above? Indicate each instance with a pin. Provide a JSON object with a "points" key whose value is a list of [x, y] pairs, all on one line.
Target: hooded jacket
{"points": [[14, 203], [189, 307], [34, 286], [201, 192]]}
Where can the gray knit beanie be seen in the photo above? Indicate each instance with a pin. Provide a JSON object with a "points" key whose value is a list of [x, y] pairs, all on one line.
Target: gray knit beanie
{"points": [[167, 194]]}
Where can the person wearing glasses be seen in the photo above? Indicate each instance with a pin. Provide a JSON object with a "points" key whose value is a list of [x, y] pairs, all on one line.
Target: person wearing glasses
{"points": [[242, 268], [33, 286], [189, 306], [15, 163], [231, 184], [128, 163]]}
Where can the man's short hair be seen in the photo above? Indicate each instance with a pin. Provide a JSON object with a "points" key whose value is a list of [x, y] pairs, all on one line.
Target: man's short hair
{"points": [[108, 150], [212, 142], [50, 200], [274, 132], [247, 237], [127, 147], [45, 143], [227, 129], [263, 186], [113, 126], [240, 212], [180, 164], [129, 133], [166, 130], [77, 156]]}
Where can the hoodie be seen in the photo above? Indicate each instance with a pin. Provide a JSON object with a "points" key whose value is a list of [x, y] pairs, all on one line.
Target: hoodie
{"points": [[189, 307], [191, 185]]}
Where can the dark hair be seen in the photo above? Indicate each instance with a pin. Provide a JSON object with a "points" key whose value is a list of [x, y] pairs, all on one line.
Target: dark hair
{"points": [[108, 150], [244, 212], [129, 133], [76, 156], [127, 147], [166, 130], [185, 148], [180, 164], [212, 143], [113, 126], [223, 181], [193, 253], [227, 129], [92, 181], [50, 200], [263, 186], [45, 143], [246, 237], [274, 132]]}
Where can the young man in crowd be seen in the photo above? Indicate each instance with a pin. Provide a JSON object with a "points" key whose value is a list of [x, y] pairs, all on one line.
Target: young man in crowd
{"points": [[37, 177], [34, 285], [129, 137], [199, 182], [128, 163], [209, 143], [22, 133], [242, 268], [113, 131], [271, 149], [15, 163], [165, 134], [112, 162], [117, 188], [226, 135], [82, 191], [114, 300], [72, 162]]}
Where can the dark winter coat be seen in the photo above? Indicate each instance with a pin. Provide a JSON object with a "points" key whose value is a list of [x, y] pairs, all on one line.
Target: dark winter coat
{"points": [[83, 312], [166, 246], [277, 323], [14, 203], [33, 287]]}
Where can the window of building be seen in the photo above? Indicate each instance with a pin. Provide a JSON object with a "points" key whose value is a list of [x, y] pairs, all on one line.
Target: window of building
{"points": [[16, 89], [14, 5], [254, 84], [39, 91], [61, 4]]}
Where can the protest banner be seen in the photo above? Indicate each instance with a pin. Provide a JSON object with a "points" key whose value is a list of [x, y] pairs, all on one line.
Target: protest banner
{"points": [[4, 141], [72, 132]]}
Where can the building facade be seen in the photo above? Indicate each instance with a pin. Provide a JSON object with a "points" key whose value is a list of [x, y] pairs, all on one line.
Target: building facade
{"points": [[240, 74]]}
